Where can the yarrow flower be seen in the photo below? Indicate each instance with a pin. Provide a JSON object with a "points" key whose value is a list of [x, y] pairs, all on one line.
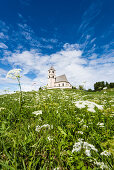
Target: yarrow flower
{"points": [[100, 164], [38, 112], [13, 74], [100, 124], [83, 145], [80, 132], [38, 128], [49, 138], [105, 153]]}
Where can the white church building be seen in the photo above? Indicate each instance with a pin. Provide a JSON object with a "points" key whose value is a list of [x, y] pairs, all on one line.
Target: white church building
{"points": [[57, 82]]}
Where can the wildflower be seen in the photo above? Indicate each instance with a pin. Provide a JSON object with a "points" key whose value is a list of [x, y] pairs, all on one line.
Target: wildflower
{"points": [[2, 108], [13, 74], [85, 126], [104, 88], [100, 124], [105, 153], [38, 112], [38, 128], [80, 144], [101, 164], [89, 146], [49, 138], [80, 132], [90, 105], [77, 146], [87, 152]]}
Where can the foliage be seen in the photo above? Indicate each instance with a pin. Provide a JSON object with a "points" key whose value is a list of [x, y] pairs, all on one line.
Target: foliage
{"points": [[98, 86], [50, 128], [81, 87]]}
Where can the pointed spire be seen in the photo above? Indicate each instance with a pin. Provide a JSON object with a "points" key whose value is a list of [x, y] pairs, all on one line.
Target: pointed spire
{"points": [[52, 68]]}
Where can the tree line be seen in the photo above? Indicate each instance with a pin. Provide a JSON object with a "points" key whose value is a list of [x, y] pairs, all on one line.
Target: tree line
{"points": [[98, 86]]}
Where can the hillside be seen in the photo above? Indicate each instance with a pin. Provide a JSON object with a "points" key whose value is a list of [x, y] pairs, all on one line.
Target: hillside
{"points": [[57, 129]]}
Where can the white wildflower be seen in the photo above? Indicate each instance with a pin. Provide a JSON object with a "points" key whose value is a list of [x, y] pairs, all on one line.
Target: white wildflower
{"points": [[90, 105], [13, 74], [101, 164], [77, 146], [104, 88], [82, 121], [105, 153], [80, 144], [38, 128], [2, 108], [89, 146], [100, 124], [80, 132], [56, 168], [87, 152], [85, 126], [38, 112], [49, 138]]}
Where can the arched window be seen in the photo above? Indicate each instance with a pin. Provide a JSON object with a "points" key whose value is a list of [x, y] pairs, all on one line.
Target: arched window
{"points": [[63, 84]]}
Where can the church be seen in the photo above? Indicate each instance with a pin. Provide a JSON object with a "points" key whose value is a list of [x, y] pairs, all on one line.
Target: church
{"points": [[57, 82]]}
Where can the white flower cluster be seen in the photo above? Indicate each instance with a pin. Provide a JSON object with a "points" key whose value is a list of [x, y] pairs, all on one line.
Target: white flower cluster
{"points": [[49, 138], [101, 164], [90, 105], [38, 112], [80, 144], [85, 126], [100, 124], [80, 132], [77, 146], [2, 108], [13, 74], [105, 153], [38, 128]]}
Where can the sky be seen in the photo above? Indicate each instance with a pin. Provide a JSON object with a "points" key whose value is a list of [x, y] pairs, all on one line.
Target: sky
{"points": [[74, 36]]}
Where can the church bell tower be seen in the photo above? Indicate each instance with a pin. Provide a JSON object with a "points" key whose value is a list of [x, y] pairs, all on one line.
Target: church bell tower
{"points": [[51, 77]]}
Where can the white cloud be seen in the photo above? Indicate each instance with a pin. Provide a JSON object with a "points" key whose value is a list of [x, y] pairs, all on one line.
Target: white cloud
{"points": [[2, 45], [69, 61]]}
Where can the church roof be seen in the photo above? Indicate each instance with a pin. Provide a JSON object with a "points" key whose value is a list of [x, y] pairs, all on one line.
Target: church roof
{"points": [[52, 68], [61, 78]]}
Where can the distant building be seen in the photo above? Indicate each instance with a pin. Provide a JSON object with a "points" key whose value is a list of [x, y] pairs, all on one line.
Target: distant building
{"points": [[57, 82]]}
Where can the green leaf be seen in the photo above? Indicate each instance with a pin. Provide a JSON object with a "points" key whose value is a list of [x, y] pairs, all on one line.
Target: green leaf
{"points": [[3, 164], [61, 130]]}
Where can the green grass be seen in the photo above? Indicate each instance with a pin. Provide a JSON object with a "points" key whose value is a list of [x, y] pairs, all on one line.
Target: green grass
{"points": [[23, 147]]}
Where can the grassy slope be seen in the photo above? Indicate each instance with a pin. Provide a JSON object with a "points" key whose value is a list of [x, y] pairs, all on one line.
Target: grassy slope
{"points": [[22, 147]]}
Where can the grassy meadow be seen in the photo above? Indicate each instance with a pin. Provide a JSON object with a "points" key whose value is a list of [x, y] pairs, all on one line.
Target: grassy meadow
{"points": [[58, 130]]}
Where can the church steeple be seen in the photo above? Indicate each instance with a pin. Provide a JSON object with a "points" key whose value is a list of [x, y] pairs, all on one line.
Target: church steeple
{"points": [[51, 77]]}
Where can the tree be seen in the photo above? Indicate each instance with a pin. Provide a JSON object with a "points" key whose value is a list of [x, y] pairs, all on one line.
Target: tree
{"points": [[81, 87], [111, 85], [99, 86]]}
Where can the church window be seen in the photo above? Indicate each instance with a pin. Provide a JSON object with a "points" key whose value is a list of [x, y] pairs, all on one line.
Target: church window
{"points": [[63, 84], [53, 76], [52, 71], [59, 85]]}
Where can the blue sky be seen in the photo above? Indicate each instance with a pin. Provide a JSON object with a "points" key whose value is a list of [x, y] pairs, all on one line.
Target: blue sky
{"points": [[75, 36]]}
